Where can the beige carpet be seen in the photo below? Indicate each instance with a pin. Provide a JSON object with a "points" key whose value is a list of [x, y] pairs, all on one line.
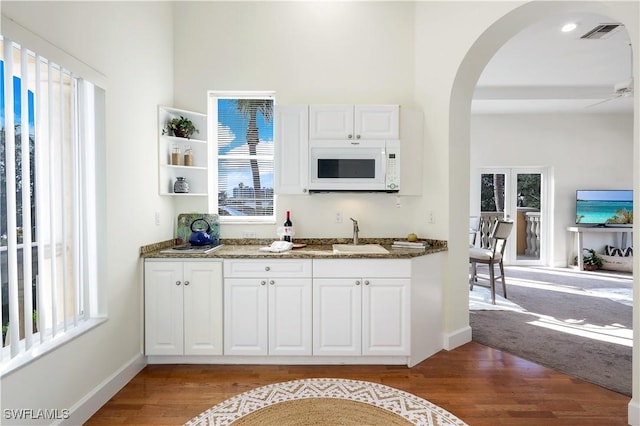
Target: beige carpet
{"points": [[326, 402], [579, 323]]}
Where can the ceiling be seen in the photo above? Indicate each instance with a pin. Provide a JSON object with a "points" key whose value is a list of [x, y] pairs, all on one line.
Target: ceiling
{"points": [[543, 70]]}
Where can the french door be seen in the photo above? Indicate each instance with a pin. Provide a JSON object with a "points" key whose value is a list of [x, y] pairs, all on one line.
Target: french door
{"points": [[519, 194]]}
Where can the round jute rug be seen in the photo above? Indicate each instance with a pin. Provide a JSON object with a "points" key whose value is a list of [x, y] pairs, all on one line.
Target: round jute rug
{"points": [[326, 402]]}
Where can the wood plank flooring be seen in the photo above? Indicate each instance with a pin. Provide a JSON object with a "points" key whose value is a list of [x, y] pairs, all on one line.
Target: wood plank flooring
{"points": [[480, 385]]}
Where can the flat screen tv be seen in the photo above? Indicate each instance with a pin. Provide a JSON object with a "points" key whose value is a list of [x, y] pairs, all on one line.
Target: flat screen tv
{"points": [[604, 207]]}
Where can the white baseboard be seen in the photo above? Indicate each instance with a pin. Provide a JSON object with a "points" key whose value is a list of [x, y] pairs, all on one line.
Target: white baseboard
{"points": [[91, 403], [634, 412], [457, 338]]}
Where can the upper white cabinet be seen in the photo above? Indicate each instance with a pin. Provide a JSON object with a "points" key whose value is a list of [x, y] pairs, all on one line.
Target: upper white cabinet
{"points": [[291, 149], [173, 166], [348, 122], [183, 307]]}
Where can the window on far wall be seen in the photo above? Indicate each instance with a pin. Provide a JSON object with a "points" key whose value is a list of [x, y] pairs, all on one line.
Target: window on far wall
{"points": [[243, 137]]}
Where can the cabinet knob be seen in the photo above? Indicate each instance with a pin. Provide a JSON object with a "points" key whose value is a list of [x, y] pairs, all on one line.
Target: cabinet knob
{"points": [[272, 282], [357, 282], [263, 282], [266, 268], [366, 282], [358, 137], [186, 283], [177, 282], [350, 137]]}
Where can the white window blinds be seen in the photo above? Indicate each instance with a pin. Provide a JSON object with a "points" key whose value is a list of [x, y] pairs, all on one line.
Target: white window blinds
{"points": [[245, 162]]}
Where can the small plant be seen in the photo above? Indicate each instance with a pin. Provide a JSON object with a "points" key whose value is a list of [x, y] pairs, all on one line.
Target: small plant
{"points": [[181, 127], [622, 216], [591, 260]]}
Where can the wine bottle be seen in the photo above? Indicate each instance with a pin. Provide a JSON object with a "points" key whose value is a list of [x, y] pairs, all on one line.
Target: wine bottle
{"points": [[288, 228]]}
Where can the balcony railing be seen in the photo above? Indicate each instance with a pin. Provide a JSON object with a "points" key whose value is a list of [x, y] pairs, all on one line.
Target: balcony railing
{"points": [[528, 225]]}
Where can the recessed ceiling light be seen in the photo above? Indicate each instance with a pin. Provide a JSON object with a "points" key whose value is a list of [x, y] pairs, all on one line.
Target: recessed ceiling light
{"points": [[569, 27]]}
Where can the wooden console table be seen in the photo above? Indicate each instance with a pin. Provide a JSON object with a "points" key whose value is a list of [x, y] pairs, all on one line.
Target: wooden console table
{"points": [[578, 232]]}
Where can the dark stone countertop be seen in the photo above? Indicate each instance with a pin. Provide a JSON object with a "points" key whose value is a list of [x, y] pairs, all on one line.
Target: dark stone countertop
{"points": [[316, 248]]}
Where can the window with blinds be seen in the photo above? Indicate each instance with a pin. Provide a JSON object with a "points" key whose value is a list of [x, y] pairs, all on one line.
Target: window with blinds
{"points": [[244, 148], [46, 226]]}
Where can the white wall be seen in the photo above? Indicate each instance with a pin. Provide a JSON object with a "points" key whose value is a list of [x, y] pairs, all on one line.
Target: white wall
{"points": [[308, 52], [588, 151], [425, 54], [130, 44]]}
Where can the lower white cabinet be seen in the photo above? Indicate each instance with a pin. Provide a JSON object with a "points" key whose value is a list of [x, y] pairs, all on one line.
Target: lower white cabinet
{"points": [[267, 307], [367, 314], [183, 307]]}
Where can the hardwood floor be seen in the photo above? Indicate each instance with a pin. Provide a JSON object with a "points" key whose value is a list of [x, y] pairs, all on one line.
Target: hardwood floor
{"points": [[480, 385]]}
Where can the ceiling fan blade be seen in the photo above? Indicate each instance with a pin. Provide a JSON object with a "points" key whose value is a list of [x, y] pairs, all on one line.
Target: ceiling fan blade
{"points": [[610, 98]]}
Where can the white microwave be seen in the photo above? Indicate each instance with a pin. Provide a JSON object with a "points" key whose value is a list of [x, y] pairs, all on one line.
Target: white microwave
{"points": [[354, 165]]}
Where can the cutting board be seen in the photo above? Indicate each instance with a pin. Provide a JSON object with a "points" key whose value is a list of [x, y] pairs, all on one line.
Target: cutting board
{"points": [[186, 219]]}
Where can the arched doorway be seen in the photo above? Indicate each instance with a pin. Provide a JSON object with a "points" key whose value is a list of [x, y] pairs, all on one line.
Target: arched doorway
{"points": [[459, 142]]}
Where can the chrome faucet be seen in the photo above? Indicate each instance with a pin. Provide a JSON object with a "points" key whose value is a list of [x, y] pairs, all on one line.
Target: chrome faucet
{"points": [[355, 231]]}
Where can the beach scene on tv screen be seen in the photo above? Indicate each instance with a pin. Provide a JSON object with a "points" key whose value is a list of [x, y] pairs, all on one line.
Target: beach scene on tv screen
{"points": [[604, 207]]}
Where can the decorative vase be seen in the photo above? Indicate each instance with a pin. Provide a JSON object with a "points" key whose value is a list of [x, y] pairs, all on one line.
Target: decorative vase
{"points": [[181, 186]]}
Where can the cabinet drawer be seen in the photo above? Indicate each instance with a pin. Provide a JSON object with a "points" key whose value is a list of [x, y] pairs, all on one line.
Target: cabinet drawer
{"points": [[264, 268], [359, 268]]}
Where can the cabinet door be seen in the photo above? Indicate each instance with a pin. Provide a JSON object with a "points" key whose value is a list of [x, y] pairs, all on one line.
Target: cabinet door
{"points": [[292, 149], [336, 316], [385, 316], [203, 308], [331, 122], [245, 316], [163, 308], [377, 121], [290, 316]]}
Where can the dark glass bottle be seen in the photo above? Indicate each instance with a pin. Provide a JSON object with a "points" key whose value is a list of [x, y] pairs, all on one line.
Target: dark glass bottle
{"points": [[288, 227]]}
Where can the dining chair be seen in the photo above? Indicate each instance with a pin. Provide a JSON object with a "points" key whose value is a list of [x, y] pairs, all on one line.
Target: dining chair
{"points": [[491, 256], [474, 226]]}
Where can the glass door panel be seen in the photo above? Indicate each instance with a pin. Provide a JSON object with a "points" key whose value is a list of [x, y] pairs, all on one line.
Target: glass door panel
{"points": [[516, 194], [492, 203], [528, 224]]}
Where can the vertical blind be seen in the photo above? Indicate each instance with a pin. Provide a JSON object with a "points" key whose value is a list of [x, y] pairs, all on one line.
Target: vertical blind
{"points": [[43, 234]]}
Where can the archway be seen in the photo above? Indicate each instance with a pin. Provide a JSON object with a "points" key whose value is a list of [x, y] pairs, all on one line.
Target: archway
{"points": [[459, 142]]}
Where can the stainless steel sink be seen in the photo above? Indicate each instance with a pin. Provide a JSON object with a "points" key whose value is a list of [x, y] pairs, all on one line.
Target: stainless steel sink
{"points": [[359, 249]]}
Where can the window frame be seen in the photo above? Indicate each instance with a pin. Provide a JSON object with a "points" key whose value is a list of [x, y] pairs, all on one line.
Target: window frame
{"points": [[212, 123]]}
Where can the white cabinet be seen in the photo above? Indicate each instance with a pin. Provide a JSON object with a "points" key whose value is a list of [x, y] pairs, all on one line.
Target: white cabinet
{"points": [[348, 122], [291, 149], [196, 173], [267, 307], [183, 307], [361, 307]]}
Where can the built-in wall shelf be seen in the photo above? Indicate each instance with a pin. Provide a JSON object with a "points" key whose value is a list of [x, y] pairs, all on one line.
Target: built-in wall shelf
{"points": [[196, 174]]}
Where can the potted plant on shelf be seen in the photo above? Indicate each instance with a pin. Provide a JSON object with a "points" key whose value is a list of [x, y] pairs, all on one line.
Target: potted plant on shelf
{"points": [[180, 127], [591, 260]]}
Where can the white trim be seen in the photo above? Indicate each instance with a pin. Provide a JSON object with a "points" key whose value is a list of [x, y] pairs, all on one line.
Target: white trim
{"points": [[35, 43], [50, 344], [459, 337], [88, 405], [279, 360], [634, 413]]}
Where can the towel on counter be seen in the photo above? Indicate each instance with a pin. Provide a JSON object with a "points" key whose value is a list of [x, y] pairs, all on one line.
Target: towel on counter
{"points": [[278, 247]]}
